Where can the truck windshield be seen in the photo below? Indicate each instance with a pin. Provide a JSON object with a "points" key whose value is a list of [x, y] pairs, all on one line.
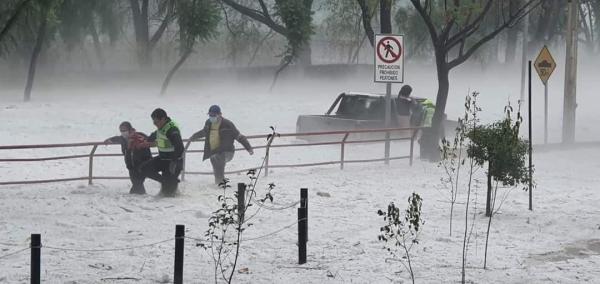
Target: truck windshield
{"points": [[361, 107]]}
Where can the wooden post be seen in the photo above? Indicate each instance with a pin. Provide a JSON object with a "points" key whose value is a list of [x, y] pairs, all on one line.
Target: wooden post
{"points": [[179, 244], [91, 165], [343, 151], [241, 198], [36, 247]]}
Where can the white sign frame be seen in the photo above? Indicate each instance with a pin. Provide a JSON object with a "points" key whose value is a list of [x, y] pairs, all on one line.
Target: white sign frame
{"points": [[391, 71]]}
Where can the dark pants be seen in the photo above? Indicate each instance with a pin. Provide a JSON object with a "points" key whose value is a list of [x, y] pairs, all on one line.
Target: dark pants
{"points": [[137, 182], [218, 162], [158, 170]]}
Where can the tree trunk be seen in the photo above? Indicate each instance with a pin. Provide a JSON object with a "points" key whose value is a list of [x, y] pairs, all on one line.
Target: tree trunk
{"points": [[142, 33], [429, 147], [511, 35], [511, 46], [385, 14], [97, 45], [305, 55], [36, 53], [366, 21], [488, 202], [183, 58]]}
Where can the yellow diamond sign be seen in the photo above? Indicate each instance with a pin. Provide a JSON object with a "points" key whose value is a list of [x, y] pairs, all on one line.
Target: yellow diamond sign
{"points": [[544, 64]]}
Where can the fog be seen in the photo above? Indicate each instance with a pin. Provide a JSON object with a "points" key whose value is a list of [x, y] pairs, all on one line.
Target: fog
{"points": [[297, 91]]}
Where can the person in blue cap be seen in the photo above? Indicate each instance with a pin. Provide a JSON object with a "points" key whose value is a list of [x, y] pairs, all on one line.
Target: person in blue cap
{"points": [[218, 146]]}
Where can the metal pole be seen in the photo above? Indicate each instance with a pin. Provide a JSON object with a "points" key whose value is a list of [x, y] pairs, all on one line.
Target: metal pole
{"points": [[524, 55], [36, 247], [530, 146], [91, 165], [546, 113], [388, 119], [179, 238]]}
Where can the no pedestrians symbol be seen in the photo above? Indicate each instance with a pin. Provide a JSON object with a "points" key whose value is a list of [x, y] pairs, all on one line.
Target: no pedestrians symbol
{"points": [[389, 58], [389, 49]]}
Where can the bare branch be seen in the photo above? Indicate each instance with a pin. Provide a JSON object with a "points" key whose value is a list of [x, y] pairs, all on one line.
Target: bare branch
{"points": [[519, 15], [427, 19], [262, 17], [163, 26], [13, 18], [470, 28], [366, 20]]}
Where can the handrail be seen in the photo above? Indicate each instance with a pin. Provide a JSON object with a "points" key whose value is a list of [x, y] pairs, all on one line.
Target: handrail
{"points": [[92, 154]]}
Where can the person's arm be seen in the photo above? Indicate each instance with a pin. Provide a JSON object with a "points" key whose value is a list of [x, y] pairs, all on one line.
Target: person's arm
{"points": [[115, 139], [175, 138], [199, 134], [242, 139]]}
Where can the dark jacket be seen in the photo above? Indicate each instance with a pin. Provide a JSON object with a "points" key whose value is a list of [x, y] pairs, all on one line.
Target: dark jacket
{"points": [[227, 133], [174, 137], [133, 157]]}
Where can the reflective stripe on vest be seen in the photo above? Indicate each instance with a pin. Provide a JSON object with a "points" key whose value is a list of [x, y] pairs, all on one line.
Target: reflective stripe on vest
{"points": [[162, 141]]}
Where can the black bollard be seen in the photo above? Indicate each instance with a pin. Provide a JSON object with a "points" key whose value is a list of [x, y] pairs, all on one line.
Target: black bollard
{"points": [[302, 235], [179, 242], [36, 248]]}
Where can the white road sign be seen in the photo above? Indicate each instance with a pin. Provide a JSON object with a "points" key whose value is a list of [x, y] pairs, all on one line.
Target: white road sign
{"points": [[389, 58]]}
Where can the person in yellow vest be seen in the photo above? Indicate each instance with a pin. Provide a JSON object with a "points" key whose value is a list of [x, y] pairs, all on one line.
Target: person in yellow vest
{"points": [[218, 146], [429, 110], [165, 167]]}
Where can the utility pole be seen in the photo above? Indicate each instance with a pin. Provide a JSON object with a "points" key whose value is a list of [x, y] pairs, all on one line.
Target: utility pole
{"points": [[570, 97]]}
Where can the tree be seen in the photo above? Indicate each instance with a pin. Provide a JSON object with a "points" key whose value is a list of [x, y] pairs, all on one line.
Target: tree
{"points": [[79, 19], [498, 144], [12, 19], [44, 13], [402, 232], [142, 22], [455, 40], [289, 18], [197, 20], [343, 28]]}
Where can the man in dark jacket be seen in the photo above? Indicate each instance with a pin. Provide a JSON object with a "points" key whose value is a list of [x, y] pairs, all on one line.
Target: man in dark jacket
{"points": [[165, 167], [218, 146], [134, 156]]}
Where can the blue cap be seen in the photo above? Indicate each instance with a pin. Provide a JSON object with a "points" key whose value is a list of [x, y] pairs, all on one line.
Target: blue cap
{"points": [[214, 109]]}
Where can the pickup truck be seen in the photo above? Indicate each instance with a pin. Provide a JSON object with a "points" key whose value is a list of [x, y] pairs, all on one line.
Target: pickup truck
{"points": [[354, 111]]}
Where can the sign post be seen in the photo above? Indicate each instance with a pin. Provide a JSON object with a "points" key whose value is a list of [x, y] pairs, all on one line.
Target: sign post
{"points": [[389, 68], [545, 65]]}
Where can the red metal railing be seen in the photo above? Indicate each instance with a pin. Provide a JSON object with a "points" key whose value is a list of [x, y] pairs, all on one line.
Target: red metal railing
{"points": [[343, 142]]}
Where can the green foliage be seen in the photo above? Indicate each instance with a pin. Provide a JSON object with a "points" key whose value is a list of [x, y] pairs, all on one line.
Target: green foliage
{"points": [[296, 16], [198, 21], [411, 25], [498, 144]]}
